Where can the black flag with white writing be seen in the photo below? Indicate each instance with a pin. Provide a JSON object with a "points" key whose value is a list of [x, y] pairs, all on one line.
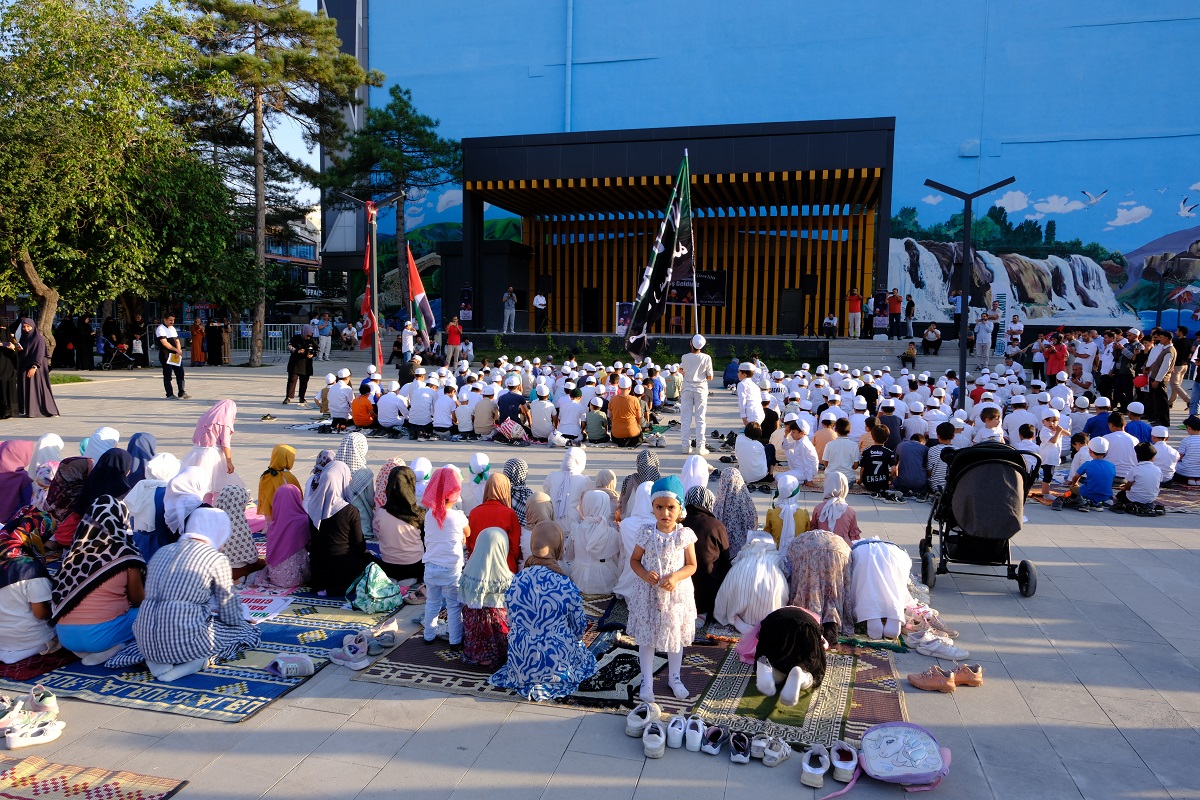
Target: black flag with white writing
{"points": [[671, 259]]}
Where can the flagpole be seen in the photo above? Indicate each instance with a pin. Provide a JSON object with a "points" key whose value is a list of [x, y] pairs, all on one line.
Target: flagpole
{"points": [[695, 261]]}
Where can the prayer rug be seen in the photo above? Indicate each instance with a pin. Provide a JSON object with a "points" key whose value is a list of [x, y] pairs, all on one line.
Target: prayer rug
{"points": [[716, 632], [229, 691], [35, 778], [615, 616], [861, 688], [1180, 499], [35, 666], [436, 667]]}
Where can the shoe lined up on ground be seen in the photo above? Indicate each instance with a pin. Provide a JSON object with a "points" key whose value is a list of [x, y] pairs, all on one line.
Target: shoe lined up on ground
{"points": [[844, 759], [654, 739], [928, 643], [814, 766], [30, 720], [641, 716], [937, 679]]}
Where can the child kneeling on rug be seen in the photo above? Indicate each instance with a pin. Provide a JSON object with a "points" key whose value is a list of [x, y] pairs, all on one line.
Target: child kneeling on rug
{"points": [[1140, 489], [662, 608]]}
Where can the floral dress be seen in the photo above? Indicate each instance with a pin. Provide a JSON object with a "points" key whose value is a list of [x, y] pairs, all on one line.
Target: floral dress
{"points": [[546, 658], [666, 620], [485, 636], [820, 578]]}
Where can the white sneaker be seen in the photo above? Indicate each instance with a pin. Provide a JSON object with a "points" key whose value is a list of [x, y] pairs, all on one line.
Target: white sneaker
{"points": [[654, 740], [685, 450], [937, 647], [675, 730], [815, 765], [693, 733], [637, 720], [702, 450], [845, 760]]}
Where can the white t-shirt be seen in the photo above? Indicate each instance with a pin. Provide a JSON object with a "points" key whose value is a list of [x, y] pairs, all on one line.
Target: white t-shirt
{"points": [[570, 417], [1014, 331], [1120, 452], [165, 332], [443, 411], [24, 634], [391, 410], [1165, 458], [1145, 477], [696, 369], [406, 340], [340, 397], [444, 543], [541, 414], [840, 456], [1085, 354], [421, 406]]}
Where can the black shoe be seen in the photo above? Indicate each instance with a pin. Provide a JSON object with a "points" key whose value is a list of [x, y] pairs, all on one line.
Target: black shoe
{"points": [[184, 396]]}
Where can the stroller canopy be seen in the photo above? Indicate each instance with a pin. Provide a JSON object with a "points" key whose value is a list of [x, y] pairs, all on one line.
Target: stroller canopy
{"points": [[986, 486]]}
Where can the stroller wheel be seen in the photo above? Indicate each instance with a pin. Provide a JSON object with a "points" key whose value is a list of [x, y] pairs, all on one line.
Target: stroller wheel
{"points": [[1027, 578], [928, 569], [923, 547]]}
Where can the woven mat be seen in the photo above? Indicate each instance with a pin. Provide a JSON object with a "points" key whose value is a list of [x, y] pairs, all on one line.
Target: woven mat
{"points": [[35, 778], [35, 666], [436, 667], [1178, 498], [229, 691], [861, 688]]}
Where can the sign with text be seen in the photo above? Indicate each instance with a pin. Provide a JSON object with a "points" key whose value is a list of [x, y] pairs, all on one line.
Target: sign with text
{"points": [[711, 290]]}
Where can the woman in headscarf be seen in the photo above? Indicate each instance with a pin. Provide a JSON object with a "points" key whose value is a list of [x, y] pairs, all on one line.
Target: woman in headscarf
{"points": [[147, 506], [787, 645], [496, 512], [10, 368], [712, 547], [446, 531], [37, 398], [381, 480], [480, 467], [213, 340], [834, 513], [481, 588], [239, 548], [34, 527], [755, 585], [197, 331], [16, 487], [143, 447], [566, 487], [287, 542], [539, 508], [64, 345], [820, 580], [191, 613], [213, 454], [695, 472], [786, 518], [48, 448], [628, 487], [277, 474], [184, 494], [109, 476], [360, 493], [41, 483], [517, 472], [99, 443], [85, 344], [546, 658], [25, 594], [110, 331], [640, 515], [398, 527], [735, 508], [314, 478], [100, 584], [62, 497], [422, 471], [337, 551], [596, 545], [606, 481]]}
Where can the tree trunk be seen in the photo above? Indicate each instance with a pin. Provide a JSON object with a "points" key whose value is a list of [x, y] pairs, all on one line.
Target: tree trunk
{"points": [[260, 237], [45, 296]]}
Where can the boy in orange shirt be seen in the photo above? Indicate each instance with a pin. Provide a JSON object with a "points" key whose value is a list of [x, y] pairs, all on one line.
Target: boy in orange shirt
{"points": [[362, 410]]}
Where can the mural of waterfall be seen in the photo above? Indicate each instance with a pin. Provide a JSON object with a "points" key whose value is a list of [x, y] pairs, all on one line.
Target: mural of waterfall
{"points": [[1046, 291]]}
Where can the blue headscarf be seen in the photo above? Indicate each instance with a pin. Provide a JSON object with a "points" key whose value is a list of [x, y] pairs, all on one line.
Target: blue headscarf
{"points": [[143, 447]]}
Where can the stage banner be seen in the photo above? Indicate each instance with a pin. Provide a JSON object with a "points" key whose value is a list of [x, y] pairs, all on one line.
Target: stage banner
{"points": [[671, 258], [466, 304], [712, 292], [624, 312]]}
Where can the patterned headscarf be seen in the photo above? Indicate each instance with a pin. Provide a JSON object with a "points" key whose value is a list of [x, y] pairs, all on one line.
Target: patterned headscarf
{"points": [[323, 459], [700, 497], [517, 472], [67, 486], [233, 500], [735, 508], [41, 483], [648, 467], [443, 486], [353, 451], [381, 480], [18, 559], [103, 547]]}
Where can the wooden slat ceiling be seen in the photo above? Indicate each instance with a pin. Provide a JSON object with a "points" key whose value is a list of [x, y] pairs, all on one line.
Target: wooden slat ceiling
{"points": [[649, 194]]}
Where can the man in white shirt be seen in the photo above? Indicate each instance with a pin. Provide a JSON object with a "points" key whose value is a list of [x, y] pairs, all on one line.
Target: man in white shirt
{"points": [[749, 395], [539, 312], [169, 350], [571, 415], [1017, 417], [406, 340], [391, 408], [340, 397], [983, 340], [1086, 348], [1120, 445], [420, 413], [542, 414], [1062, 389]]}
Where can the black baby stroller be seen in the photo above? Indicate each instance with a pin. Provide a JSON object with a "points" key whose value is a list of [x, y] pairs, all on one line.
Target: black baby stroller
{"points": [[117, 357], [979, 511]]}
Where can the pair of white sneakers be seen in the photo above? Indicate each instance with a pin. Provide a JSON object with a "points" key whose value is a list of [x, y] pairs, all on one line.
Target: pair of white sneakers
{"points": [[927, 642], [646, 721], [818, 760], [30, 720]]}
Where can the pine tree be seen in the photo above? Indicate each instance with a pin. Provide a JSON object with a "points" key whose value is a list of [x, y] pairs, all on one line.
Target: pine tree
{"points": [[282, 62]]}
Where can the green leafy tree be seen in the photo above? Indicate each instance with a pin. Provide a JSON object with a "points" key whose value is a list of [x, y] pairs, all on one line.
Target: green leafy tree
{"points": [[397, 151], [281, 62]]}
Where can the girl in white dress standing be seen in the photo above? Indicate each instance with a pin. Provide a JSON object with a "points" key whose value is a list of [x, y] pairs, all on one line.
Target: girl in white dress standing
{"points": [[662, 608]]}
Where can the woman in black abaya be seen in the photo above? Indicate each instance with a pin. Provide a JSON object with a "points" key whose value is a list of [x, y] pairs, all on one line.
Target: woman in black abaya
{"points": [[85, 344], [10, 364], [64, 345], [36, 397]]}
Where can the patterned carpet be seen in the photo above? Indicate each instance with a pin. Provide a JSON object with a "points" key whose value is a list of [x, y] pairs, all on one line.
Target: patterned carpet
{"points": [[436, 667], [230, 691], [35, 778], [861, 688]]}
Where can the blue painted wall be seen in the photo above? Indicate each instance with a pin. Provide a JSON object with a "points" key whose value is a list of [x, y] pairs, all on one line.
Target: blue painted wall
{"points": [[1067, 96]]}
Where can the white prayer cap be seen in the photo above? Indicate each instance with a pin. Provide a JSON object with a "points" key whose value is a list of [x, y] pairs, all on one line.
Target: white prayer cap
{"points": [[543, 390], [1058, 404], [394, 386], [343, 373], [791, 416], [698, 342], [488, 390], [1103, 402], [639, 389], [330, 377], [828, 416], [860, 403], [1136, 408], [1018, 400], [1160, 432], [597, 402], [917, 407], [1082, 402], [987, 396], [623, 382]]}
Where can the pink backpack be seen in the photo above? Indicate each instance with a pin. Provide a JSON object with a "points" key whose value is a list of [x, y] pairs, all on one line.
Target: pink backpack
{"points": [[903, 753]]}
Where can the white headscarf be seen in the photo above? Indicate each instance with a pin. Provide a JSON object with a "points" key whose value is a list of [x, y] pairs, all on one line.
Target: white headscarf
{"points": [[835, 503], [48, 448], [185, 494], [163, 467], [423, 471], [641, 514], [573, 463], [788, 503], [103, 440], [695, 472], [755, 585], [140, 500], [208, 525], [597, 563]]}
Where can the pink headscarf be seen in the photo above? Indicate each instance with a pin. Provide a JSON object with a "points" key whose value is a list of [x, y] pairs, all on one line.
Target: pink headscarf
{"points": [[381, 480], [15, 456], [443, 486], [288, 531], [215, 427]]}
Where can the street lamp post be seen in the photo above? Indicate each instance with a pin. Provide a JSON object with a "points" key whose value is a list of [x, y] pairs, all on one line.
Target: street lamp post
{"points": [[968, 265]]}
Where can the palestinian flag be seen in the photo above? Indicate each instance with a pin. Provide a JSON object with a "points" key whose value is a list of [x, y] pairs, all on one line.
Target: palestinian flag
{"points": [[420, 311], [671, 259]]}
